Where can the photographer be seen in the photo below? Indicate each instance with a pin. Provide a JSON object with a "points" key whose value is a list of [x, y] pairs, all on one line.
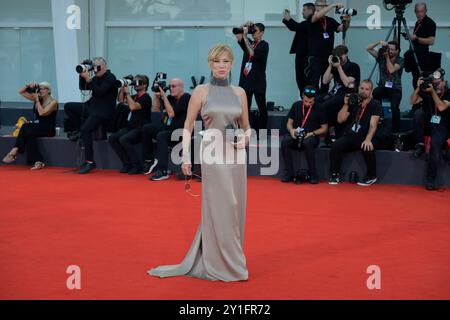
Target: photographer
{"points": [[434, 118], [299, 45], [253, 68], [306, 123], [346, 76], [360, 115], [98, 110], [124, 140], [174, 110], [45, 108], [390, 84], [321, 39]]}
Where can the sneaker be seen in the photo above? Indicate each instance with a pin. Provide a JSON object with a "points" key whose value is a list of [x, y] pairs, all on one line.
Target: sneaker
{"points": [[418, 150], [160, 175], [38, 165], [287, 178], [334, 178], [73, 136], [87, 167], [125, 168], [367, 182], [150, 166], [430, 185], [135, 170]]}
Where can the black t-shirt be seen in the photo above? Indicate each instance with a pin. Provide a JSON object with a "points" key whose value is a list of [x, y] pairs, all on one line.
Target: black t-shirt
{"points": [[180, 108], [316, 118], [138, 118], [363, 119], [256, 78], [424, 29], [430, 108], [300, 42], [318, 45], [351, 69]]}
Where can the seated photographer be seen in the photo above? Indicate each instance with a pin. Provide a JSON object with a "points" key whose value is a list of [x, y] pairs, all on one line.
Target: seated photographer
{"points": [[44, 108], [174, 111], [306, 123], [98, 110], [124, 140], [433, 117], [346, 76], [390, 84], [360, 116]]}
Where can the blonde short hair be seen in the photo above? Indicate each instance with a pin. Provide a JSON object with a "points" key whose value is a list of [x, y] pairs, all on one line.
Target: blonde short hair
{"points": [[45, 84], [218, 50]]}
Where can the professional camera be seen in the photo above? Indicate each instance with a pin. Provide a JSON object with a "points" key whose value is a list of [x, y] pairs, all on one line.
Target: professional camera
{"points": [[33, 89], [427, 81], [383, 50], [347, 11], [160, 82], [398, 2], [354, 100], [335, 59], [85, 66], [128, 81], [272, 107], [300, 134], [251, 30]]}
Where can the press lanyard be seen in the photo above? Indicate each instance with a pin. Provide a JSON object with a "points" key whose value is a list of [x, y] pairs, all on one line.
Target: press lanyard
{"points": [[307, 115], [419, 24], [254, 47], [362, 113], [324, 24]]}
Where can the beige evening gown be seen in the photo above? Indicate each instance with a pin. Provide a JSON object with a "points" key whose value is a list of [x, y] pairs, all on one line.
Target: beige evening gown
{"points": [[217, 250]]}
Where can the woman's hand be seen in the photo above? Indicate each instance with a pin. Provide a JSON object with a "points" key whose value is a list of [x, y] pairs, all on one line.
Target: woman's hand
{"points": [[187, 169]]}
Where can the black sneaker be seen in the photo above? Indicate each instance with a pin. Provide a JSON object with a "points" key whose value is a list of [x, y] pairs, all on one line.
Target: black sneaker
{"points": [[73, 136], [135, 170], [367, 181], [334, 178], [430, 185], [150, 166], [418, 150], [125, 168], [160, 175], [87, 167], [287, 178]]}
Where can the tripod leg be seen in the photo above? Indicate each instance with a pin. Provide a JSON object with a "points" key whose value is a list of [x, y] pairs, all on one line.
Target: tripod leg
{"points": [[411, 46], [394, 23]]}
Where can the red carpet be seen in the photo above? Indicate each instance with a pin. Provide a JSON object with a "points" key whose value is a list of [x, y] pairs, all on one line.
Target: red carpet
{"points": [[302, 241]]}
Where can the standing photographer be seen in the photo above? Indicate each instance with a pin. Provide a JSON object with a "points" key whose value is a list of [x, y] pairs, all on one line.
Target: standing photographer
{"points": [[299, 45], [390, 84], [360, 115], [44, 108], [174, 110], [124, 140], [253, 68], [98, 110], [306, 123], [433, 117]]}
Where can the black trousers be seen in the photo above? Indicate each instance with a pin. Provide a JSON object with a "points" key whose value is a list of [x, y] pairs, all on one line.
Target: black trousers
{"points": [[439, 135], [262, 106], [163, 135], [123, 142], [332, 106], [421, 125], [27, 140], [395, 97], [316, 67], [348, 143], [76, 112], [309, 147], [300, 76]]}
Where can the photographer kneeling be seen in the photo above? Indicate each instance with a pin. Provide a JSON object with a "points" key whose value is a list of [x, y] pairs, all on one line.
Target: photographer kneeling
{"points": [[97, 111], [44, 108], [306, 123], [140, 105], [433, 117], [360, 115]]}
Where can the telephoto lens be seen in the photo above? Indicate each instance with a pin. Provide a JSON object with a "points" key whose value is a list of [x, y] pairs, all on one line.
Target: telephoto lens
{"points": [[347, 11]]}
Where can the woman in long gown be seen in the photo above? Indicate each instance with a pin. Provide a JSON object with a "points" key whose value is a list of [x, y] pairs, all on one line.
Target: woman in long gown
{"points": [[217, 250]]}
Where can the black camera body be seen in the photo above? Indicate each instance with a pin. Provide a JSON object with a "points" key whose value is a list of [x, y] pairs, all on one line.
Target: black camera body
{"points": [[251, 30], [427, 82], [160, 82], [354, 100], [383, 50], [33, 89], [300, 134], [398, 2], [85, 66], [335, 59]]}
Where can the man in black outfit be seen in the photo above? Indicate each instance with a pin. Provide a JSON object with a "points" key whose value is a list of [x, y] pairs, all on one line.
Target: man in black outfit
{"points": [[308, 118], [299, 45], [124, 140], [253, 69], [97, 111], [361, 121], [423, 36], [173, 109], [346, 76], [433, 117], [321, 40]]}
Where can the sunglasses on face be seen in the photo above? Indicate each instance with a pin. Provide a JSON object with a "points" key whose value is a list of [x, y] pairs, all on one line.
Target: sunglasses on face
{"points": [[187, 184]]}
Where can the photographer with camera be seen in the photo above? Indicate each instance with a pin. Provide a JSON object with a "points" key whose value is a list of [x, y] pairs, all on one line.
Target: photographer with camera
{"points": [[174, 111], [299, 45], [98, 110], [321, 39], [346, 76], [253, 68], [45, 108], [306, 123], [140, 105], [390, 83], [360, 115], [432, 116]]}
